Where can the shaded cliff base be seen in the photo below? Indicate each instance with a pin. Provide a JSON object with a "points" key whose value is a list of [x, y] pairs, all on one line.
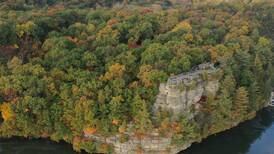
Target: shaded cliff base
{"points": [[150, 143]]}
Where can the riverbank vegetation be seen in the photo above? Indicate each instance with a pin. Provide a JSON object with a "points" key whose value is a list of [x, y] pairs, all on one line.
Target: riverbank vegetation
{"points": [[67, 68]]}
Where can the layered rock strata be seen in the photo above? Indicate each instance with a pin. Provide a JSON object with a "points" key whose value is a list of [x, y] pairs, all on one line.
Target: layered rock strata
{"points": [[184, 91], [178, 95]]}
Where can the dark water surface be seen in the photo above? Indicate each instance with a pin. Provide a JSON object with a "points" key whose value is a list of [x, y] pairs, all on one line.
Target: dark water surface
{"points": [[253, 137], [35, 146]]}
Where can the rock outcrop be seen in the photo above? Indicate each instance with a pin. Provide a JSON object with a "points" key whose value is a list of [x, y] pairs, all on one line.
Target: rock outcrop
{"points": [[152, 143], [184, 91], [178, 95]]}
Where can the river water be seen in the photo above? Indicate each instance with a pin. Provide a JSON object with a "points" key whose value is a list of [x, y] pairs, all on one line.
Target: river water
{"points": [[252, 137], [41, 146]]}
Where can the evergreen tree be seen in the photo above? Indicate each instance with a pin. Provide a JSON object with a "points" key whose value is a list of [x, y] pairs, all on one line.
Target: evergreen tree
{"points": [[140, 115], [240, 104]]}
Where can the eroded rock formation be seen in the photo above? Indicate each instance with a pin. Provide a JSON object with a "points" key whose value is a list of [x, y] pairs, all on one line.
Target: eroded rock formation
{"points": [[184, 91], [178, 95]]}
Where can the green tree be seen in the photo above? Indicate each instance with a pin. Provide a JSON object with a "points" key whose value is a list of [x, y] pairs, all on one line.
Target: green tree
{"points": [[179, 65], [240, 104], [156, 55], [8, 33], [140, 114]]}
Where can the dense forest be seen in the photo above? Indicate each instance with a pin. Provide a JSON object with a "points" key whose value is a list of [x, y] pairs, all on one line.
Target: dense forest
{"points": [[69, 67]]}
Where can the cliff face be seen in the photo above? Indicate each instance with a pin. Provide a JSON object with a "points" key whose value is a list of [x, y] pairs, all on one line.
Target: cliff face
{"points": [[184, 91], [179, 95]]}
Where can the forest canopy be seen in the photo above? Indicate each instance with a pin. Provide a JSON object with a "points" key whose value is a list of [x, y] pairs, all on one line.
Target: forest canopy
{"points": [[65, 70]]}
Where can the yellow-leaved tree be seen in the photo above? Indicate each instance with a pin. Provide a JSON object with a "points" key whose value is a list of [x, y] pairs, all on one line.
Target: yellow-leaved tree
{"points": [[184, 25], [6, 111]]}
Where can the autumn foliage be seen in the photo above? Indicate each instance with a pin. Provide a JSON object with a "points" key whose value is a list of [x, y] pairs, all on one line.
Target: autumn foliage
{"points": [[75, 68]]}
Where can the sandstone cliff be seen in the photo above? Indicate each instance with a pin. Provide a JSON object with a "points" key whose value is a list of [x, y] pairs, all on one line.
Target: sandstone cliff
{"points": [[178, 95], [183, 91]]}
